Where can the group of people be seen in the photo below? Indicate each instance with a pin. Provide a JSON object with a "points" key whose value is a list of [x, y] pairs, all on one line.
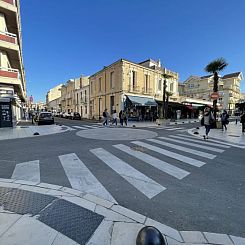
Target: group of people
{"points": [[208, 121], [123, 118]]}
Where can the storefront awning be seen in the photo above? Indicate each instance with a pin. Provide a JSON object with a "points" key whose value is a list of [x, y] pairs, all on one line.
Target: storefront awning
{"points": [[141, 101]]}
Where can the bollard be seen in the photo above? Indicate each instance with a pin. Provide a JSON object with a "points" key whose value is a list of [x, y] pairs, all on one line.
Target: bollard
{"points": [[149, 235], [134, 126], [196, 133], [36, 133], [197, 127]]}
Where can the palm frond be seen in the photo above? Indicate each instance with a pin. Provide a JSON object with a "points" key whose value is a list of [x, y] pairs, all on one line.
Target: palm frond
{"points": [[216, 65]]}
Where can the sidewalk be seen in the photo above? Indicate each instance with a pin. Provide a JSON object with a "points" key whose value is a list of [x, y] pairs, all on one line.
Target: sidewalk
{"points": [[26, 129], [40, 213], [233, 134]]}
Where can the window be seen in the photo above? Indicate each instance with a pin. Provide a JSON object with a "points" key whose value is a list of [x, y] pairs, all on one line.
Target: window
{"points": [[81, 96], [159, 87], [100, 85], [134, 78], [112, 79], [171, 87], [85, 96], [91, 88], [86, 110], [147, 82]]}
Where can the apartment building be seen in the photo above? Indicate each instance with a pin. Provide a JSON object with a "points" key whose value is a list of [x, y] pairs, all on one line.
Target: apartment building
{"points": [[68, 102], [229, 89], [12, 75], [136, 87], [53, 98]]}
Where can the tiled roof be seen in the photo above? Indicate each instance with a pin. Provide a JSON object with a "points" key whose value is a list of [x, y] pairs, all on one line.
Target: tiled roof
{"points": [[235, 74]]}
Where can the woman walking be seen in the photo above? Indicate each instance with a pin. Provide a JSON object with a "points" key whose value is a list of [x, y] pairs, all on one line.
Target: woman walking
{"points": [[208, 119], [224, 120]]}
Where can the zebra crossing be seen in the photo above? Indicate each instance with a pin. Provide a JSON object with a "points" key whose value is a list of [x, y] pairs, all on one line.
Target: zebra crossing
{"points": [[183, 150]]}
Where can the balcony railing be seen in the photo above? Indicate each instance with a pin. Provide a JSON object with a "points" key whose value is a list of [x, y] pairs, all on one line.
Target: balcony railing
{"points": [[9, 1], [8, 37], [133, 89], [9, 72], [147, 90]]}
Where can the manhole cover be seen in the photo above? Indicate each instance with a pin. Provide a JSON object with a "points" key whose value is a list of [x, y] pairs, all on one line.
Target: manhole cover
{"points": [[232, 135]]}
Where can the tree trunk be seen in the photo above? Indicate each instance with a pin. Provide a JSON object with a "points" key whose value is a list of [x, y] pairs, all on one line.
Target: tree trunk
{"points": [[215, 89], [164, 98]]}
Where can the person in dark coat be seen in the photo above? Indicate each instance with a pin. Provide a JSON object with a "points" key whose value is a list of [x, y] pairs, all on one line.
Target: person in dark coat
{"points": [[243, 122], [224, 119]]}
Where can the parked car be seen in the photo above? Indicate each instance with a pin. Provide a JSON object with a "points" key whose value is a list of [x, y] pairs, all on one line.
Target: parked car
{"points": [[68, 115], [75, 116], [45, 118], [62, 114]]}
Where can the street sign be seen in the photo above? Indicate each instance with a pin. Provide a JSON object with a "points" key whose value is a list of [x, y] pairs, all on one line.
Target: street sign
{"points": [[215, 95]]}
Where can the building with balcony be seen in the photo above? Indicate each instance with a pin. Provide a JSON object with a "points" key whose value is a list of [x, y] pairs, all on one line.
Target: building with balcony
{"points": [[53, 98], [68, 103], [136, 87], [228, 88], [12, 75]]}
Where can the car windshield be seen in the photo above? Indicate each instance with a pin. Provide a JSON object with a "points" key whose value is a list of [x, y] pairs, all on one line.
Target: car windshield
{"points": [[45, 115]]}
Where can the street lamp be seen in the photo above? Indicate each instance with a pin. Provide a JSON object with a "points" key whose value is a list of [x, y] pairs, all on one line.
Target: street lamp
{"points": [[164, 98]]}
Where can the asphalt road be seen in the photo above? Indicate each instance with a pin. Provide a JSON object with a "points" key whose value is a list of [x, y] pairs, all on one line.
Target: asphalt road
{"points": [[210, 198]]}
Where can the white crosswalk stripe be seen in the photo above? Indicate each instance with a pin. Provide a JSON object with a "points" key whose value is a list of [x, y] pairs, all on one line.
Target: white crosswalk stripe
{"points": [[79, 127], [81, 178], [153, 161], [29, 171], [171, 154], [181, 148], [183, 141], [144, 184], [88, 126], [199, 140], [172, 129]]}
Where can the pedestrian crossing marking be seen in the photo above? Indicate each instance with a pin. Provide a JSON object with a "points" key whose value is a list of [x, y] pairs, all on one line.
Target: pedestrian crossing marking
{"points": [[144, 184], [196, 145], [181, 148], [79, 127], [155, 162], [81, 178], [88, 126], [171, 154], [29, 171], [172, 129]]}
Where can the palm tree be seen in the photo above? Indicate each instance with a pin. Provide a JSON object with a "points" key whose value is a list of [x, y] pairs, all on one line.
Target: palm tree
{"points": [[165, 77], [214, 67], [168, 94]]}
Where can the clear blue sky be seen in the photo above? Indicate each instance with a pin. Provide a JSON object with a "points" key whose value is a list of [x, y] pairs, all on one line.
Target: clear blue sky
{"points": [[64, 39]]}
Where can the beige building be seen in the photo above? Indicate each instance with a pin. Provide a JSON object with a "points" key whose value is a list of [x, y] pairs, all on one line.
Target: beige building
{"points": [[132, 86], [68, 102], [228, 89], [12, 75], [53, 98]]}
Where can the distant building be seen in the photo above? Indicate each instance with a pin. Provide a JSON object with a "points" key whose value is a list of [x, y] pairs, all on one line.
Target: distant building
{"points": [[53, 98], [12, 74]]}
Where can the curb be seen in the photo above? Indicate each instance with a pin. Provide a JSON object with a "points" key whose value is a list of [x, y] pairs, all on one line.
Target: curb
{"points": [[117, 213]]}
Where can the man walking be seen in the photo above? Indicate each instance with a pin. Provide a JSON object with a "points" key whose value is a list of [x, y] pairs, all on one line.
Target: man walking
{"points": [[243, 121], [114, 116], [224, 119], [105, 117], [207, 121]]}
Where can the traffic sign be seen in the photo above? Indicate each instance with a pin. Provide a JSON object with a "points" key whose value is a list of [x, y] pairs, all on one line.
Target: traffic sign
{"points": [[215, 95]]}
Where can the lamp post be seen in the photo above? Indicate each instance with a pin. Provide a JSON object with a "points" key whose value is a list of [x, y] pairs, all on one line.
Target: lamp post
{"points": [[164, 98]]}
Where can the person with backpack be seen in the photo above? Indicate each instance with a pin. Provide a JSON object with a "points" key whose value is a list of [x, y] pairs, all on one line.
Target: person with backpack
{"points": [[242, 121], [207, 121], [224, 119], [105, 117]]}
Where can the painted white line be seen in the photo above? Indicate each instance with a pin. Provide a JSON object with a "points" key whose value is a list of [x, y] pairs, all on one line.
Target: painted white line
{"points": [[182, 148], [88, 126], [172, 129], [171, 154], [29, 171], [79, 127], [155, 162], [81, 178], [198, 140], [147, 186], [183, 141], [221, 141]]}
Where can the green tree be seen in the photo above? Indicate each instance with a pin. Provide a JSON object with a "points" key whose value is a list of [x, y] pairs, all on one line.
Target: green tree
{"points": [[214, 68]]}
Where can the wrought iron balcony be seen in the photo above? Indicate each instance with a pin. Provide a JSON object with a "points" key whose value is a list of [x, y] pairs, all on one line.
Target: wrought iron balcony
{"points": [[133, 89]]}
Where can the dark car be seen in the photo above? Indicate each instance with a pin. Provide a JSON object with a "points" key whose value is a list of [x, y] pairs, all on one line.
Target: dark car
{"points": [[75, 116], [45, 118]]}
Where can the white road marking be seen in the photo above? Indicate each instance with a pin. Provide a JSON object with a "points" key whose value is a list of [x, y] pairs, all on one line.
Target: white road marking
{"points": [[147, 186], [81, 178], [172, 129], [29, 171], [155, 162], [88, 126], [79, 127], [182, 148], [183, 141], [171, 154]]}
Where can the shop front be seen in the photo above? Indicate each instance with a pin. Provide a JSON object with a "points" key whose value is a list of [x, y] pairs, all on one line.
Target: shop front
{"points": [[141, 108]]}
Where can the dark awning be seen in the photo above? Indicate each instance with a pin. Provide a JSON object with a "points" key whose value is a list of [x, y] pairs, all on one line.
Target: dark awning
{"points": [[141, 101]]}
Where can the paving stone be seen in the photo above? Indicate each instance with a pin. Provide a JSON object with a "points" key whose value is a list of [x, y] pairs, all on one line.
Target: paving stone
{"points": [[6, 180], [125, 233], [28, 231], [58, 193], [73, 221], [171, 241], [34, 189], [102, 234], [63, 240], [99, 201], [9, 185], [111, 215], [50, 186], [7, 220], [25, 202], [81, 202], [218, 238], [193, 236], [129, 213], [238, 240], [3, 191], [26, 182], [72, 191], [164, 229]]}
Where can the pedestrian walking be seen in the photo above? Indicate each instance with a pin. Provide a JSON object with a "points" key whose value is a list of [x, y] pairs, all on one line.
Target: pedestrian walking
{"points": [[224, 119], [237, 116], [121, 117], [105, 117], [207, 121], [125, 117], [114, 116], [242, 121]]}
